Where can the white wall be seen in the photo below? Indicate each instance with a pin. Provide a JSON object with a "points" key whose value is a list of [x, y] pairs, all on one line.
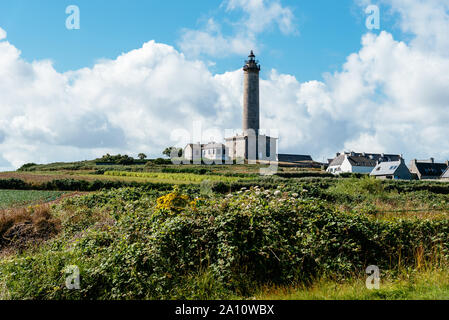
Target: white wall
{"points": [[347, 167]]}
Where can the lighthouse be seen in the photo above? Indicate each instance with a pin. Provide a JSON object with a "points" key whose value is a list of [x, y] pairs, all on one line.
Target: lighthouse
{"points": [[251, 117], [251, 146]]}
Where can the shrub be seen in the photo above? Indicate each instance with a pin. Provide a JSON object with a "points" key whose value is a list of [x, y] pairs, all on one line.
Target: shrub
{"points": [[249, 238], [27, 167]]}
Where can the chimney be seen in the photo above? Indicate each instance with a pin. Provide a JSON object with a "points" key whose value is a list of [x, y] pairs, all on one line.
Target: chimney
{"points": [[338, 154], [432, 160], [447, 163]]}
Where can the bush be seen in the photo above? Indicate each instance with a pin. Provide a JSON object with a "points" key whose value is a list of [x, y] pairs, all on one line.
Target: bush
{"points": [[236, 243], [27, 167], [161, 161]]}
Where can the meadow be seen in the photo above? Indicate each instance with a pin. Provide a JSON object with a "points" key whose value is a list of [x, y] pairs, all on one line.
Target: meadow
{"points": [[17, 198], [188, 233]]}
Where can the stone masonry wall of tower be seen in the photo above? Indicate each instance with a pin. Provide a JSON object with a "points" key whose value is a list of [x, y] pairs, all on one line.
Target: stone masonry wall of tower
{"points": [[251, 95]]}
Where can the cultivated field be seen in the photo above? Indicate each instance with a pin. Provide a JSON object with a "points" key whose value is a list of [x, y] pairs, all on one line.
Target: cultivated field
{"points": [[18, 198]]}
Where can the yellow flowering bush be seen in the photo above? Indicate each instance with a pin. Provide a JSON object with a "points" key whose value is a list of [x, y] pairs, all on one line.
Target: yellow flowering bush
{"points": [[174, 201]]}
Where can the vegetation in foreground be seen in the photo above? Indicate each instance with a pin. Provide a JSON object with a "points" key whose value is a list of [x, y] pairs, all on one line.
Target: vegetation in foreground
{"points": [[197, 243], [417, 284]]}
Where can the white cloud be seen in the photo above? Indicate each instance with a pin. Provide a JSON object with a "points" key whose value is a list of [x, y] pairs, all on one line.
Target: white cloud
{"points": [[391, 96], [263, 14], [258, 16], [2, 34], [212, 42]]}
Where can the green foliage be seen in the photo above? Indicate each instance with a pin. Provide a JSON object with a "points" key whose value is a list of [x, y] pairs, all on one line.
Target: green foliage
{"points": [[127, 249], [173, 177], [27, 167], [303, 174], [172, 152], [14, 198], [117, 159], [160, 161]]}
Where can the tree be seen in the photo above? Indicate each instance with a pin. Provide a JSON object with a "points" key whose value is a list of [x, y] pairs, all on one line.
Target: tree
{"points": [[142, 156], [172, 151]]}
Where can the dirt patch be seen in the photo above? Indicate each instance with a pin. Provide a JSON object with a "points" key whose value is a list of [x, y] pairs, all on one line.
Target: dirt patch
{"points": [[22, 228]]}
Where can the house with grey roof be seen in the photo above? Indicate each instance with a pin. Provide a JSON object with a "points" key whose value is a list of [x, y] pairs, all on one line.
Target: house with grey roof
{"points": [[395, 170], [428, 169], [353, 162], [445, 175]]}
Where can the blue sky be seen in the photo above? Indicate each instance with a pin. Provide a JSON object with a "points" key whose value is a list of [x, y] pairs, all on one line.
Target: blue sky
{"points": [[328, 31], [137, 71]]}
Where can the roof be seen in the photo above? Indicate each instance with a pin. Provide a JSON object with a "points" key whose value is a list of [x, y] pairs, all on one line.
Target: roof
{"points": [[359, 161], [386, 168], [445, 175], [338, 161], [213, 145], [293, 158], [431, 169], [364, 159]]}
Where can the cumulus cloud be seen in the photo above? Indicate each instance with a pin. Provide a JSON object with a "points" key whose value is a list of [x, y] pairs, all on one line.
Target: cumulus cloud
{"points": [[2, 34], [257, 16], [390, 96]]}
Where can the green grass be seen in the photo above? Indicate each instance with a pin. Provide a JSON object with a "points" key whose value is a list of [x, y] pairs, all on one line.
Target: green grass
{"points": [[416, 285], [16, 198], [177, 178]]}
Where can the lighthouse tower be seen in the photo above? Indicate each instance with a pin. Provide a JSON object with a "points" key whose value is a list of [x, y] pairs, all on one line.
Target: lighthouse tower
{"points": [[251, 146], [251, 118]]}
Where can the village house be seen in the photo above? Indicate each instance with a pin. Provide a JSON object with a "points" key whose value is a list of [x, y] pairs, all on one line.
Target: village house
{"points": [[215, 152], [428, 169], [445, 175], [352, 162], [395, 170]]}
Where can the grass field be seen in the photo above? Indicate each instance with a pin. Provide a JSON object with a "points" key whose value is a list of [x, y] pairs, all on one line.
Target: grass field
{"points": [[177, 178], [38, 177], [17, 198], [411, 285]]}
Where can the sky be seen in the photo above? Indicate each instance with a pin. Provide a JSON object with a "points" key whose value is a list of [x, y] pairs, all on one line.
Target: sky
{"points": [[138, 75]]}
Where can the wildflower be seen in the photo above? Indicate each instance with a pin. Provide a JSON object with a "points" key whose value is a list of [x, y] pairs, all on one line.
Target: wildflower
{"points": [[295, 195], [277, 193]]}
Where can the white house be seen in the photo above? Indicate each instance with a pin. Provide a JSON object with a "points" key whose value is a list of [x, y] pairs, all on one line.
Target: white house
{"points": [[395, 170], [193, 152], [352, 162], [214, 151], [209, 153]]}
